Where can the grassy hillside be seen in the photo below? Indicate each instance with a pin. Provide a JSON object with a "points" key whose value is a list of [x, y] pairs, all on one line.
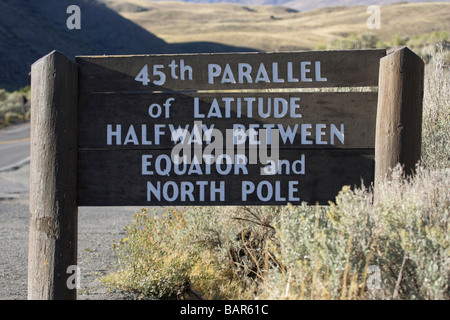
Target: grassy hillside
{"points": [[272, 28], [29, 30], [303, 5]]}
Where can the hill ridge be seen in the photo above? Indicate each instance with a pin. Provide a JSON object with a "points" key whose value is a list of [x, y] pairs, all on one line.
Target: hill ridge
{"points": [[32, 29], [305, 5]]}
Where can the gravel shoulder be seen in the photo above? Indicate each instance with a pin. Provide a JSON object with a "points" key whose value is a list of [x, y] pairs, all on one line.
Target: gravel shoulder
{"points": [[98, 227]]}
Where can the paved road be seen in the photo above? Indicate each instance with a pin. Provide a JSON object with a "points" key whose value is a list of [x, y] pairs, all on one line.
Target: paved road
{"points": [[98, 227], [14, 146]]}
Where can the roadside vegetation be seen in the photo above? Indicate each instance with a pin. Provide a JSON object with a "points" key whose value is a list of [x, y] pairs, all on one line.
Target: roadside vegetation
{"points": [[274, 28], [14, 106], [370, 40], [397, 247]]}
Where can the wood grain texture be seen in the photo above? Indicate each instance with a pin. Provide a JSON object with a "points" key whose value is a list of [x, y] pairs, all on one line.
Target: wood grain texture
{"points": [[114, 177], [109, 173], [399, 116], [53, 163], [118, 73], [355, 110]]}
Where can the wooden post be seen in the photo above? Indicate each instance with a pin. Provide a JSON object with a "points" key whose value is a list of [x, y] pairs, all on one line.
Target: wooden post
{"points": [[53, 162], [399, 113]]}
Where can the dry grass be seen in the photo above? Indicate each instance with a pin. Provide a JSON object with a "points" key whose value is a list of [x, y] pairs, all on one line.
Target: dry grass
{"points": [[436, 110], [270, 28], [298, 252], [11, 108]]}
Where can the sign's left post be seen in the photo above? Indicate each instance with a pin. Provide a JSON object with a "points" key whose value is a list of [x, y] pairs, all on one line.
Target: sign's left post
{"points": [[53, 178]]}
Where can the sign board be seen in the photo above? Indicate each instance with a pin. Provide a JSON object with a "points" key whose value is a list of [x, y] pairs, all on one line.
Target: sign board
{"points": [[132, 108], [104, 132]]}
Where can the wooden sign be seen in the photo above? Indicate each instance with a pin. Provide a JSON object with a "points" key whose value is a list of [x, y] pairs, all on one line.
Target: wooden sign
{"points": [[104, 131], [130, 106], [309, 69]]}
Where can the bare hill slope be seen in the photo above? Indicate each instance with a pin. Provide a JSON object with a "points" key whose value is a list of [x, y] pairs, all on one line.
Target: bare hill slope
{"points": [[30, 29], [274, 28], [304, 5]]}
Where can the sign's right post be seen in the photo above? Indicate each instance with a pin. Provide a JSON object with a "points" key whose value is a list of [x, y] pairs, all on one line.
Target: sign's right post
{"points": [[399, 113]]}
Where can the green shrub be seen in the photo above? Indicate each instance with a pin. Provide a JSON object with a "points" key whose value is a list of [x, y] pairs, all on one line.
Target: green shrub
{"points": [[370, 40], [12, 117], [298, 252], [27, 115], [11, 105], [436, 113], [413, 215], [238, 240], [220, 252], [405, 234], [153, 256], [325, 250]]}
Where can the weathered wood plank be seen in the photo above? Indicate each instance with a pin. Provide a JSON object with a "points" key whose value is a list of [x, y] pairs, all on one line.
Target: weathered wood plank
{"points": [[238, 71], [356, 111], [399, 116], [115, 177], [53, 201]]}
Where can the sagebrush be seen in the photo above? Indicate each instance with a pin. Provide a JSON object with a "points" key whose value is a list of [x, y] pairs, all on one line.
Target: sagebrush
{"points": [[310, 252], [14, 106]]}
